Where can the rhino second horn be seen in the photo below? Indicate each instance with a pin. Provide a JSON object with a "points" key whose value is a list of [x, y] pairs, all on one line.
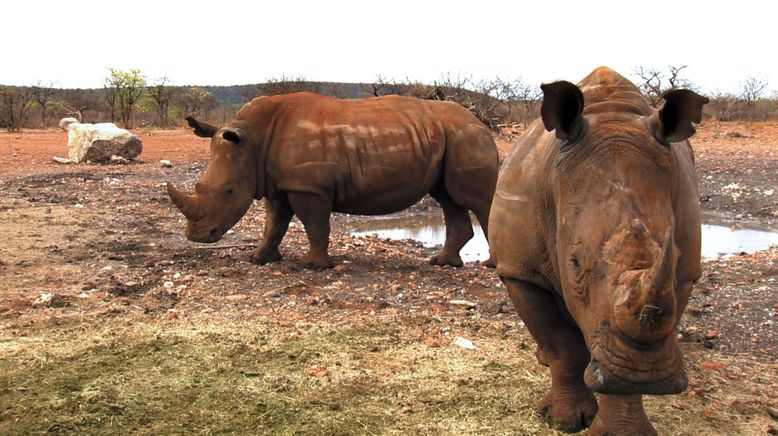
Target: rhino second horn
{"points": [[187, 204]]}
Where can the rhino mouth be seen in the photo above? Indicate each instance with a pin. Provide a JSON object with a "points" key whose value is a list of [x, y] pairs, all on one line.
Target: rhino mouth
{"points": [[622, 368], [213, 235]]}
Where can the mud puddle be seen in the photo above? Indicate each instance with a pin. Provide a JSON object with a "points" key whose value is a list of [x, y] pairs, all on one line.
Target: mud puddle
{"points": [[717, 240]]}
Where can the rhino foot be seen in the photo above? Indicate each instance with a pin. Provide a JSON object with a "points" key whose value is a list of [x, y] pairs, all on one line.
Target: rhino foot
{"points": [[569, 414], [442, 260], [317, 261], [262, 256], [622, 415]]}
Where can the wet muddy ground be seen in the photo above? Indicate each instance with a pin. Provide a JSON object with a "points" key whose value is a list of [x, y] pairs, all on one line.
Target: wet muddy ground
{"points": [[110, 321]]}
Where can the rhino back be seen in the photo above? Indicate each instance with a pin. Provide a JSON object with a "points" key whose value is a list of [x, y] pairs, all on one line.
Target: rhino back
{"points": [[374, 156]]}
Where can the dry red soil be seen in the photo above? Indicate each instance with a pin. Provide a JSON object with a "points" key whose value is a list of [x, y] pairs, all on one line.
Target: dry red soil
{"points": [[87, 244]]}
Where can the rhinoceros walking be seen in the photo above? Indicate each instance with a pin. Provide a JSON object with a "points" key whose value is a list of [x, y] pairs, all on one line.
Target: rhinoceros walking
{"points": [[310, 155], [595, 231]]}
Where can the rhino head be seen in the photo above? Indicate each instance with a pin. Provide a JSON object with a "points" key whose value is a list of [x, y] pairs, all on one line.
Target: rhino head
{"points": [[614, 183], [227, 188]]}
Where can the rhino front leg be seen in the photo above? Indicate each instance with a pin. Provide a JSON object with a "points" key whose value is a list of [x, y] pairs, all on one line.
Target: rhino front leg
{"points": [[314, 211], [621, 414], [568, 405], [459, 230], [277, 217]]}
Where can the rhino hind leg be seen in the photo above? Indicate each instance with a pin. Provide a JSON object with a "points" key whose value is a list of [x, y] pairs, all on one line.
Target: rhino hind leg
{"points": [[459, 229], [473, 189], [314, 212], [277, 217], [568, 405]]}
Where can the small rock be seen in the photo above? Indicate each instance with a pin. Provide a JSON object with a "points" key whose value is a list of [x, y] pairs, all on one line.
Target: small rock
{"points": [[403, 410], [464, 343], [164, 163], [713, 334], [433, 342], [468, 304], [61, 160], [711, 365], [118, 160], [318, 371]]}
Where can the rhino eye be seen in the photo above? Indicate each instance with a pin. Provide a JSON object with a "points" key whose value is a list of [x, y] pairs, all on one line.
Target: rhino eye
{"points": [[574, 264], [228, 191]]}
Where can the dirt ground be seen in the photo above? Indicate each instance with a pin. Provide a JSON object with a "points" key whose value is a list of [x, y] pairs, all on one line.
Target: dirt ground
{"points": [[112, 322]]}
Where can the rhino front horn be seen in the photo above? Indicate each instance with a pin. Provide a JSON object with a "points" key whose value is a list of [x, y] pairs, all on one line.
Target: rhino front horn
{"points": [[644, 308], [187, 204]]}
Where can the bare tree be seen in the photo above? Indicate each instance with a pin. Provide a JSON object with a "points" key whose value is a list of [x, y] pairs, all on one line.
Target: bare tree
{"points": [[751, 90], [654, 82], [288, 85], [384, 86], [523, 98], [15, 103], [197, 102], [79, 101], [162, 94], [43, 94]]}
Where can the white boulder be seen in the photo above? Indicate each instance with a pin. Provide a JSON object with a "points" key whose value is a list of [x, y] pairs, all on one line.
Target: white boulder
{"points": [[99, 142]]}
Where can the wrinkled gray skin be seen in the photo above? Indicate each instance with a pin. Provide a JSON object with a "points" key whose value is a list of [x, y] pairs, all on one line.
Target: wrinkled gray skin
{"points": [[595, 231]]}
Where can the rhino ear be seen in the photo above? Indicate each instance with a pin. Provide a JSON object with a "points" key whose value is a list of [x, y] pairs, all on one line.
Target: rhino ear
{"points": [[672, 122], [563, 103], [232, 136], [201, 129]]}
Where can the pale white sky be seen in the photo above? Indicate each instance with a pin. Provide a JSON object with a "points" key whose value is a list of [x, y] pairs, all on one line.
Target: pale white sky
{"points": [[228, 42]]}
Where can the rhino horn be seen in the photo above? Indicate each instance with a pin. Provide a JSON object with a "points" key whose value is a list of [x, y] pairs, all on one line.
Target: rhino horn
{"points": [[187, 204], [662, 276], [646, 309]]}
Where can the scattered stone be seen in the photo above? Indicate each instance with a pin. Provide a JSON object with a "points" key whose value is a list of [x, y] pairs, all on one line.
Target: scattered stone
{"points": [[118, 160], [711, 365], [713, 334], [403, 410], [164, 163], [318, 371], [433, 342], [61, 160], [468, 304], [464, 343], [49, 299]]}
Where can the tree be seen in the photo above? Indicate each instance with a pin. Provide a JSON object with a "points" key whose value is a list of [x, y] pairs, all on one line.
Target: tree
{"points": [[15, 103], [384, 86], [654, 82], [124, 88], [79, 101], [197, 102], [43, 94], [162, 94], [288, 85], [751, 90]]}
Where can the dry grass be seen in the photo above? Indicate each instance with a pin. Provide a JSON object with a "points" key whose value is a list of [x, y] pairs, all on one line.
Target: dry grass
{"points": [[196, 376]]}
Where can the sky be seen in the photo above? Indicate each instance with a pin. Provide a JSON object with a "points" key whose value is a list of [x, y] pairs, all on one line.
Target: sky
{"points": [[226, 42]]}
